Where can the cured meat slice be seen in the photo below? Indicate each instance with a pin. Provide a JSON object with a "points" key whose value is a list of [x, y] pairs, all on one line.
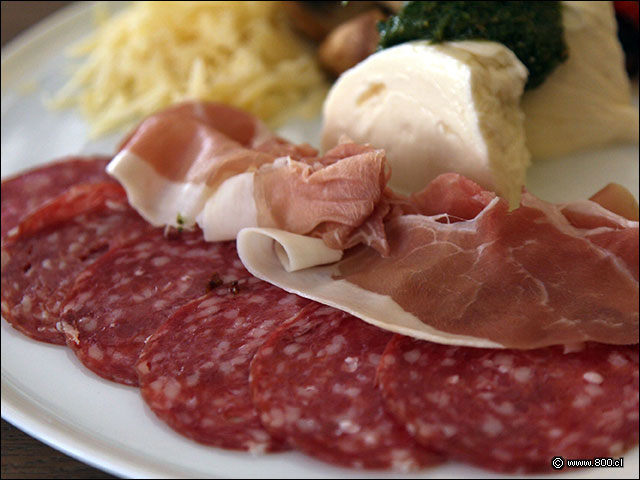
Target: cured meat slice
{"points": [[524, 279], [451, 194], [184, 153], [607, 229], [54, 244], [617, 199], [339, 197], [27, 191], [462, 269], [194, 371], [217, 135], [235, 124], [127, 294], [514, 410], [313, 383], [198, 161]]}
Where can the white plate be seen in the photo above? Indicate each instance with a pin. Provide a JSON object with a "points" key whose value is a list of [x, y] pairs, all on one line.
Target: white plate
{"points": [[47, 392]]}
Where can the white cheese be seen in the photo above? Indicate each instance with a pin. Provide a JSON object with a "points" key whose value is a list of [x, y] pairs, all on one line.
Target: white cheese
{"points": [[451, 107], [586, 101]]}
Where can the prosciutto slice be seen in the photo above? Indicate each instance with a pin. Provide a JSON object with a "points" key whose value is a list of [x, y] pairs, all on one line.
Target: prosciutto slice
{"points": [[339, 198], [462, 269], [186, 152], [221, 168], [606, 229]]}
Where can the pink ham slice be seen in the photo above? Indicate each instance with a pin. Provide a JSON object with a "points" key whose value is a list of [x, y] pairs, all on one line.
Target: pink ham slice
{"points": [[524, 279], [607, 229], [454, 195], [339, 197], [617, 199], [206, 143], [514, 410], [194, 147], [25, 192], [235, 124]]}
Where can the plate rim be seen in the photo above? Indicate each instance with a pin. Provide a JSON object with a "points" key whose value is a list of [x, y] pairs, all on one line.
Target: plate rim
{"points": [[46, 26], [26, 413]]}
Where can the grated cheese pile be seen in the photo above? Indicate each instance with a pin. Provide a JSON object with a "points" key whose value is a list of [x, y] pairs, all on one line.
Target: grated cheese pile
{"points": [[154, 54]]}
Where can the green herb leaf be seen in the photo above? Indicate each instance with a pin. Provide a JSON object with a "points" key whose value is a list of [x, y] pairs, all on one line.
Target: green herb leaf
{"points": [[532, 30]]}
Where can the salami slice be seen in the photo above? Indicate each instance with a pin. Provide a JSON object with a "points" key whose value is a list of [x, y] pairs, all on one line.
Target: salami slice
{"points": [[24, 193], [514, 410], [194, 371], [127, 294], [313, 383], [55, 243]]}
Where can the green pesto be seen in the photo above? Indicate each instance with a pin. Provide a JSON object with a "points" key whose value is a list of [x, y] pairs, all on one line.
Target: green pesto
{"points": [[532, 30]]}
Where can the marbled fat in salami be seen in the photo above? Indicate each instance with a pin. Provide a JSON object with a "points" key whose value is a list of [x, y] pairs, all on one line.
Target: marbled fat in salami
{"points": [[313, 383], [194, 371], [55, 243], [514, 410], [25, 192], [127, 294]]}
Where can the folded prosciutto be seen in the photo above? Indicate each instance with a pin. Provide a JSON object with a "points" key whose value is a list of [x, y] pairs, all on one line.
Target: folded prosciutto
{"points": [[462, 269], [340, 198], [176, 159], [219, 167]]}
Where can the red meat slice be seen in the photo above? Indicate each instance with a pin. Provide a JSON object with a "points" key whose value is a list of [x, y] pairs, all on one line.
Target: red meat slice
{"points": [[25, 192], [53, 245], [514, 410], [313, 383], [194, 371], [128, 293]]}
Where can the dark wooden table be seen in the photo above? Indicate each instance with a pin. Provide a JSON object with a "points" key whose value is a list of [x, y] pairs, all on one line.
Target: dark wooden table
{"points": [[22, 455]]}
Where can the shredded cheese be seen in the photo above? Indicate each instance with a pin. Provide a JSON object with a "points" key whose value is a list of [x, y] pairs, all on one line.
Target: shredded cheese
{"points": [[154, 54]]}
